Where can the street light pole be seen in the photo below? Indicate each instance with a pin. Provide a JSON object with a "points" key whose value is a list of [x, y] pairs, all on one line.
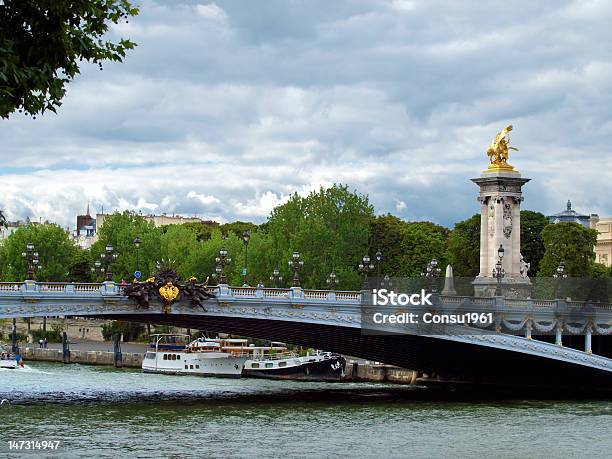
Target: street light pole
{"points": [[246, 235], [332, 280], [105, 264], [32, 258], [137, 245], [498, 270], [297, 264], [276, 277], [379, 258], [432, 272], [222, 261], [365, 267]]}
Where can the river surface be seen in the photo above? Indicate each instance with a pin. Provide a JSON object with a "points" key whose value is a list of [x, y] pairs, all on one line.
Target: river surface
{"points": [[103, 412]]}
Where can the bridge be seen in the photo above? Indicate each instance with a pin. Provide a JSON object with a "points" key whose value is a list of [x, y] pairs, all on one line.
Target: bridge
{"points": [[506, 352]]}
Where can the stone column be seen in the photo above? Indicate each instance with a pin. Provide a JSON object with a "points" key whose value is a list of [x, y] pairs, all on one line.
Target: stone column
{"points": [[500, 197]]}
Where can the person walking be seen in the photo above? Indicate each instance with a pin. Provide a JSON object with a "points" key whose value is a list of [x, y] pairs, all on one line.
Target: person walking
{"points": [[45, 343]]}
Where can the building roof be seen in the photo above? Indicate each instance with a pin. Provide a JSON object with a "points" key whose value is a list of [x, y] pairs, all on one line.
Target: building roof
{"points": [[569, 212]]}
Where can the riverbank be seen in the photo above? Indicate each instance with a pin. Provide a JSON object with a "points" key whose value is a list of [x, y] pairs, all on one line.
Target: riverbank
{"points": [[355, 371]]}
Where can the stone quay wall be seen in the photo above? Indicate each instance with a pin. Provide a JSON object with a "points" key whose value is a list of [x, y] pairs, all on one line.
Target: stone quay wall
{"points": [[128, 359]]}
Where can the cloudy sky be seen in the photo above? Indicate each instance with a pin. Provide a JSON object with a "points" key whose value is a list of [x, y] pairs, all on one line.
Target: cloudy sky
{"points": [[225, 109]]}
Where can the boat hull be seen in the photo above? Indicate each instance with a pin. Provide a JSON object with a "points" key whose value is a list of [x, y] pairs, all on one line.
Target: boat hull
{"points": [[331, 369]]}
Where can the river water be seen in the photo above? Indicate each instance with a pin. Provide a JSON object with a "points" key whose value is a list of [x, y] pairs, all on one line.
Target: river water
{"points": [[103, 412]]}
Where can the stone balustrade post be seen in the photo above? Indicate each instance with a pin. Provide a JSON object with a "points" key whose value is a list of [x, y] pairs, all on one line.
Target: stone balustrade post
{"points": [[528, 328], [559, 333], [587, 339]]}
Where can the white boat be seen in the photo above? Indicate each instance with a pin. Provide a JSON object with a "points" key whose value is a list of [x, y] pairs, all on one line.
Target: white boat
{"points": [[7, 359], [203, 356], [175, 354]]}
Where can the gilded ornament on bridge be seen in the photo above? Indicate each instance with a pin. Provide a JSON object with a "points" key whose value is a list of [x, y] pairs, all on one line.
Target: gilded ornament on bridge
{"points": [[167, 288], [498, 151], [169, 292]]}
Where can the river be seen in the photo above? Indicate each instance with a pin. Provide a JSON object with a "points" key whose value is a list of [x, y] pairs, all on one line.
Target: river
{"points": [[104, 412]]}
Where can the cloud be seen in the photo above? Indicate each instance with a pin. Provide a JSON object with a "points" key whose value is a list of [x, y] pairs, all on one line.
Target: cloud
{"points": [[225, 109]]}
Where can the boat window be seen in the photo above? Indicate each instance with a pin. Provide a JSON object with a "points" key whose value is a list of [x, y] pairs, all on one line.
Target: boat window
{"points": [[254, 365], [269, 365], [191, 367], [186, 367], [282, 364], [150, 355], [197, 366], [165, 356]]}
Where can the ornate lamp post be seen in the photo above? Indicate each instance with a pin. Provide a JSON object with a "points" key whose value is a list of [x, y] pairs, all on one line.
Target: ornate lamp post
{"points": [[222, 261], [246, 235], [432, 272], [105, 263], [276, 278], [296, 264], [332, 280], [559, 275], [137, 245], [498, 270], [379, 257], [365, 268], [32, 258]]}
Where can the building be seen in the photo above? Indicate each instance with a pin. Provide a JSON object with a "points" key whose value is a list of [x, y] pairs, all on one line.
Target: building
{"points": [[85, 233], [570, 215], [603, 248]]}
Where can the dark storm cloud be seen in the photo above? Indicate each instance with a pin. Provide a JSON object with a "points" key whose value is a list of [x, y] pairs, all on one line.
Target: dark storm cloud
{"points": [[226, 108]]}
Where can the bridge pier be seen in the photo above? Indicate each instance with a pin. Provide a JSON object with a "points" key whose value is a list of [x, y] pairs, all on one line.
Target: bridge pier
{"points": [[118, 355], [65, 348]]}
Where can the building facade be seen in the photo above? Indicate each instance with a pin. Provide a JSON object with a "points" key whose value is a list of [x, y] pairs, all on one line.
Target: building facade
{"points": [[603, 248]]}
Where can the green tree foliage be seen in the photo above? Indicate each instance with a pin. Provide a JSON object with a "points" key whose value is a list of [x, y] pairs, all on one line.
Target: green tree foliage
{"points": [[42, 43], [532, 245], [56, 253], [330, 229], [80, 267], [386, 236], [120, 230], [464, 247], [237, 228], [422, 241], [569, 242]]}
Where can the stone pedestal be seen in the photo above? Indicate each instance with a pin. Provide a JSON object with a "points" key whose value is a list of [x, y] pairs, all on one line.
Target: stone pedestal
{"points": [[500, 224]]}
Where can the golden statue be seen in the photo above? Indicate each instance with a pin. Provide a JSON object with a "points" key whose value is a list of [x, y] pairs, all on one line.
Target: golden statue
{"points": [[169, 292], [498, 151]]}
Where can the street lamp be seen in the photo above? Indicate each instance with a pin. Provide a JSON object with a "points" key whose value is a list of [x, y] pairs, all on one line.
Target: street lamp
{"points": [[222, 261], [137, 245], [332, 280], [105, 263], [365, 268], [246, 235], [276, 278], [379, 258], [386, 282], [432, 272], [498, 270], [559, 275], [297, 264], [32, 258]]}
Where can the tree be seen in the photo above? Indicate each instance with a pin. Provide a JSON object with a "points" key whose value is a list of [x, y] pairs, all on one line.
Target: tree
{"points": [[422, 241], [55, 251], [42, 43], [464, 247], [532, 245], [571, 243], [386, 236], [80, 267], [329, 227], [120, 230]]}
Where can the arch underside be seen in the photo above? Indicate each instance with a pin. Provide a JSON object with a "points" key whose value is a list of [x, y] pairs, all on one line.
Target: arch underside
{"points": [[450, 360]]}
